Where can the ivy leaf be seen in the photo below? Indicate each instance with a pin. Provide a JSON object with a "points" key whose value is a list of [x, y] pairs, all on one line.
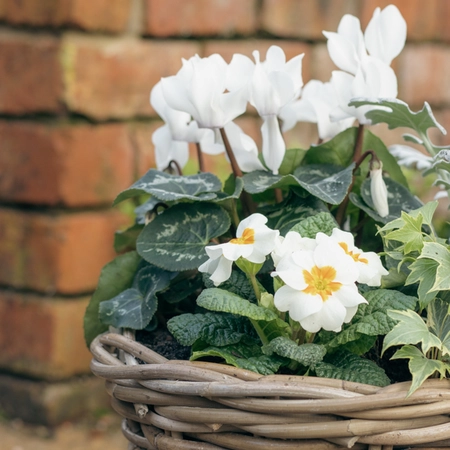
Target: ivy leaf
{"points": [[410, 234], [115, 277], [213, 329], [343, 365], [247, 357], [176, 238], [439, 322], [410, 329], [310, 226], [307, 354], [167, 187], [399, 199], [215, 299], [135, 307], [371, 319], [420, 366], [328, 182], [441, 254], [423, 271], [397, 114]]}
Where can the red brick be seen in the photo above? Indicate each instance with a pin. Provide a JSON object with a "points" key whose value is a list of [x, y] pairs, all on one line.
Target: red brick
{"points": [[80, 165], [423, 74], [112, 78], [51, 253], [291, 48], [200, 17], [30, 74], [425, 21], [42, 337], [305, 18], [105, 15]]}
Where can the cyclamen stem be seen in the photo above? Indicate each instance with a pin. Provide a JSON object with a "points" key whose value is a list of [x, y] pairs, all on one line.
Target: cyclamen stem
{"points": [[201, 163], [176, 165], [234, 165], [358, 143]]}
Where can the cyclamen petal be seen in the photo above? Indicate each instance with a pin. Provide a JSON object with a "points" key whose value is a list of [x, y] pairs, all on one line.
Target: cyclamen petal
{"points": [[273, 145], [378, 192]]}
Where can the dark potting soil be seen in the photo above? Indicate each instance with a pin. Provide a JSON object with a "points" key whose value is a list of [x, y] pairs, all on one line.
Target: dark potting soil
{"points": [[162, 342]]}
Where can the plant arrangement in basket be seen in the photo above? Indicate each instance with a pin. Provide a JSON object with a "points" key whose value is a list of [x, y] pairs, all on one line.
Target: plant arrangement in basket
{"points": [[304, 261]]}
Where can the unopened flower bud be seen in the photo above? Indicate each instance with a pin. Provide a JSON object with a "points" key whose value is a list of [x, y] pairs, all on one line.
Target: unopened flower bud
{"points": [[378, 191]]}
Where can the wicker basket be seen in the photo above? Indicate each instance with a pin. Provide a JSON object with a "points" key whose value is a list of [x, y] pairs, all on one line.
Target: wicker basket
{"points": [[204, 406]]}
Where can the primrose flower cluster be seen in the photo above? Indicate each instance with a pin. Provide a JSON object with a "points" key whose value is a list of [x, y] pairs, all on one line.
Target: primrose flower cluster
{"points": [[319, 275]]}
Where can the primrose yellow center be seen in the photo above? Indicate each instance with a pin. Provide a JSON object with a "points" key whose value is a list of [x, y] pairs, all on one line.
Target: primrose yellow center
{"points": [[321, 282], [355, 256], [248, 237]]}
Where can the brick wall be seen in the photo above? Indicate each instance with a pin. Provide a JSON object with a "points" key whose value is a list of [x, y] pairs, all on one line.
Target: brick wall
{"points": [[75, 129]]}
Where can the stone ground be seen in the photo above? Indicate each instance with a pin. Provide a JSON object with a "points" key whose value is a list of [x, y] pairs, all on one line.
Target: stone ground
{"points": [[99, 434]]}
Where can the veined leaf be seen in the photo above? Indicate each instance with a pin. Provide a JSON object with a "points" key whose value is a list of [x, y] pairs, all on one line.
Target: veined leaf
{"points": [[410, 234], [126, 240], [176, 238], [441, 254], [213, 329], [344, 365], [215, 299], [411, 329], [439, 322], [222, 197], [310, 226], [309, 355], [238, 284], [420, 366], [423, 271], [292, 159], [371, 319], [247, 357], [166, 187], [115, 277]]}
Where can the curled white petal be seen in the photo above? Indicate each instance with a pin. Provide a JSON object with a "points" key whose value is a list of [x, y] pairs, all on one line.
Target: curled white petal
{"points": [[378, 192]]}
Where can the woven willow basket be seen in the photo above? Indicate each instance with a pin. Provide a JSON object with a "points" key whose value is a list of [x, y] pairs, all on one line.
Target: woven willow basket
{"points": [[182, 405]]}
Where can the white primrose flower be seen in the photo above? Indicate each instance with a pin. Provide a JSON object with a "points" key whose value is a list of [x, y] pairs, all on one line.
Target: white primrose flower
{"points": [[320, 290], [271, 85], [254, 241], [292, 242], [199, 89], [378, 192], [368, 263]]}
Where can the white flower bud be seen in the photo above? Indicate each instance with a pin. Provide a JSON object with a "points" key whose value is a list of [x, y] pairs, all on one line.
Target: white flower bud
{"points": [[378, 191]]}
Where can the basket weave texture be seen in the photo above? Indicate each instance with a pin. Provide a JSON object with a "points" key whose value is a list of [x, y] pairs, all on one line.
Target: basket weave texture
{"points": [[183, 405]]}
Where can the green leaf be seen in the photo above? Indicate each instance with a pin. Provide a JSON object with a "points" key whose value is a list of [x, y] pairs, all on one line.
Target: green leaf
{"points": [[115, 277], [338, 151], [325, 181], [238, 284], [307, 354], [142, 210], [372, 318], [441, 254], [292, 159], [439, 322], [212, 328], [248, 357], [185, 284], [419, 365], [344, 365], [166, 187], [310, 226], [399, 199], [126, 240], [423, 271], [215, 299], [176, 238], [260, 181], [411, 329], [135, 307], [223, 197], [410, 234], [398, 114]]}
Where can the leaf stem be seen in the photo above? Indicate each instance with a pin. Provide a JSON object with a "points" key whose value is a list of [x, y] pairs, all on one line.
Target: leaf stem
{"points": [[255, 286], [260, 331]]}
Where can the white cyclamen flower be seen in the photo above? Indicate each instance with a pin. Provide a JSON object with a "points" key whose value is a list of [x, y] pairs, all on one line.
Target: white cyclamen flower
{"points": [[368, 263], [378, 192], [320, 290], [254, 241], [199, 89]]}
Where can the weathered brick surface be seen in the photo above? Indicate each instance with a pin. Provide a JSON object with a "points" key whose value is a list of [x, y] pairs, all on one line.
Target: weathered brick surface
{"points": [[112, 78], [51, 404], [30, 74], [51, 344], [423, 73], [105, 15], [51, 253], [80, 165], [304, 18], [200, 17]]}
